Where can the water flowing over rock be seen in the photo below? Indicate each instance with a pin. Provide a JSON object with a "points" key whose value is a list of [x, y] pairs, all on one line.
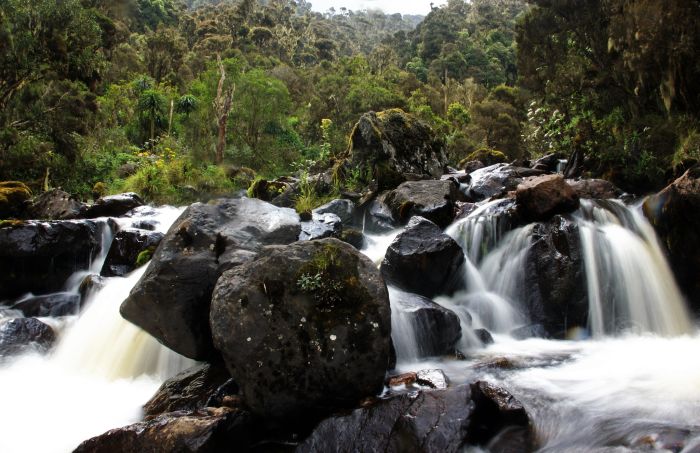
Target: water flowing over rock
{"points": [[423, 260], [497, 180], [675, 214], [392, 144], [21, 335], [39, 257], [304, 329], [56, 304], [422, 328], [172, 300], [190, 390], [56, 205], [435, 200], [125, 249], [540, 197], [211, 430], [427, 421], [114, 205]]}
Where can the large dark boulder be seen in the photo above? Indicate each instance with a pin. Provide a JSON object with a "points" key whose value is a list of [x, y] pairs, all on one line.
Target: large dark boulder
{"points": [[39, 257], [211, 430], [435, 200], [377, 216], [497, 180], [423, 260], [189, 390], [113, 205], [125, 249], [599, 189], [392, 145], [437, 329], [304, 329], [171, 301], [441, 421], [21, 335], [675, 214], [541, 197], [321, 226], [344, 209], [55, 304], [555, 280], [56, 205]]}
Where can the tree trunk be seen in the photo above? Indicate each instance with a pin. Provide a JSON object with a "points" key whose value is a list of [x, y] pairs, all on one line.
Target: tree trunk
{"points": [[222, 107]]}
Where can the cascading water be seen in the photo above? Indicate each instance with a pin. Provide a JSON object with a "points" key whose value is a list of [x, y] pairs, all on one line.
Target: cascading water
{"points": [[101, 372]]}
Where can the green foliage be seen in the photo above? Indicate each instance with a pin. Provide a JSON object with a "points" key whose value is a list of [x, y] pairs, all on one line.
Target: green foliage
{"points": [[144, 257]]}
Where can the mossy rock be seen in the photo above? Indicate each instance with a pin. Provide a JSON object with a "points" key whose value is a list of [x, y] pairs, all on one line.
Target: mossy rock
{"points": [[13, 197], [486, 156], [266, 190]]}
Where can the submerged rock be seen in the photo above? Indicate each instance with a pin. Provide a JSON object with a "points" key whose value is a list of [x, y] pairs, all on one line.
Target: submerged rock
{"points": [[675, 214], [172, 299], [21, 335], [114, 205], [434, 200], [56, 304], [393, 144], [211, 430], [304, 329], [39, 257], [423, 260], [428, 421], [125, 249], [437, 328], [541, 197]]}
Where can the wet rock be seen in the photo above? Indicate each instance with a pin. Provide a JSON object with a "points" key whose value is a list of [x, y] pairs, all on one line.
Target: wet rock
{"points": [[495, 409], [434, 200], [189, 390], [377, 215], [435, 379], [599, 189], [56, 205], [344, 209], [555, 281], [56, 304], [14, 196], [472, 166], [39, 257], [484, 336], [406, 379], [529, 331], [437, 328], [148, 225], [321, 226], [541, 197], [210, 430], [353, 237], [125, 249], [304, 329], [497, 180], [675, 214], [90, 285], [171, 301], [269, 190], [114, 205], [547, 163], [423, 260], [21, 335], [392, 144], [431, 421]]}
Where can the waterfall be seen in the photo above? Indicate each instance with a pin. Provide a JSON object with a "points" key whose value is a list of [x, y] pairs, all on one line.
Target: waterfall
{"points": [[630, 285], [99, 375]]}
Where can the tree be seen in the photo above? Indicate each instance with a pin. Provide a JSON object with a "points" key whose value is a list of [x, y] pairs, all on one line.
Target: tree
{"points": [[152, 109], [222, 107]]}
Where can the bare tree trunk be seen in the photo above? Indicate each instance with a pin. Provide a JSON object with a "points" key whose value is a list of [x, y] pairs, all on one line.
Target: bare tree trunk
{"points": [[170, 117], [222, 107]]}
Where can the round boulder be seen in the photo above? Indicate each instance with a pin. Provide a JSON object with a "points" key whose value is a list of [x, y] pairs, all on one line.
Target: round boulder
{"points": [[304, 329]]}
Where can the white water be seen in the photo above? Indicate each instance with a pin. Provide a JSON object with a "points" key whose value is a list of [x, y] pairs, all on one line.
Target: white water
{"points": [[98, 377]]}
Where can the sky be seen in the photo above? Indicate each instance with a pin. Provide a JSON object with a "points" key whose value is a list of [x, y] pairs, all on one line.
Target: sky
{"points": [[388, 6]]}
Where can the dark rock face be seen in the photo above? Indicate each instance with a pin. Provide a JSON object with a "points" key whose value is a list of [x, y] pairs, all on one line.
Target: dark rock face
{"points": [[426, 421], [56, 304], [20, 335], [497, 180], [304, 329], [56, 205], [393, 144], [555, 277], [595, 188], [321, 226], [437, 327], [547, 163], [423, 260], [378, 216], [541, 197], [344, 209], [114, 205], [125, 249], [171, 301], [675, 214], [495, 409], [187, 391], [353, 237], [90, 285], [39, 257], [434, 200], [208, 431]]}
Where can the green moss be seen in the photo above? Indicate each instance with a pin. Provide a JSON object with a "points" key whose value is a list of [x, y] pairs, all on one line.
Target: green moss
{"points": [[144, 257], [13, 194], [10, 223], [486, 156]]}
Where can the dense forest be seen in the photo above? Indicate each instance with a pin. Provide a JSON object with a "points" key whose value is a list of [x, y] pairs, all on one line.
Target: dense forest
{"points": [[183, 100]]}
